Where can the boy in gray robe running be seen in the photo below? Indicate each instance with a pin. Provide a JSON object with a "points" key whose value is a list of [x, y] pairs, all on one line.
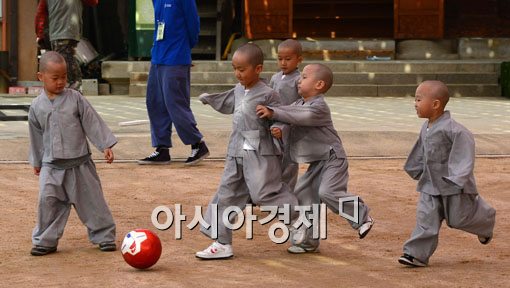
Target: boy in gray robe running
{"points": [[314, 140], [252, 167], [442, 160]]}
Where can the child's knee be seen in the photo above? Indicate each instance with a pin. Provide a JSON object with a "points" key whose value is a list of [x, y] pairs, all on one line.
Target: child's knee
{"points": [[323, 193]]}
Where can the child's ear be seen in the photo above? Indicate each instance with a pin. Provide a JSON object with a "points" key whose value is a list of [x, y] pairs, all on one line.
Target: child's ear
{"points": [[39, 76], [436, 104], [258, 68], [300, 59], [319, 85]]}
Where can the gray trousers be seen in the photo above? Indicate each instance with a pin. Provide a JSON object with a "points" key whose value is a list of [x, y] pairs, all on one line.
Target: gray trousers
{"points": [[326, 181], [80, 187], [290, 170], [249, 179], [465, 212]]}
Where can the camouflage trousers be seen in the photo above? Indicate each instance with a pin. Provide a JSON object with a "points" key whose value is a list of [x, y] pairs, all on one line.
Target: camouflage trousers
{"points": [[67, 48]]}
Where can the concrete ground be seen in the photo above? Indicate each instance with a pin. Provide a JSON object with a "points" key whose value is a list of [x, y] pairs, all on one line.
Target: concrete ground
{"points": [[369, 127]]}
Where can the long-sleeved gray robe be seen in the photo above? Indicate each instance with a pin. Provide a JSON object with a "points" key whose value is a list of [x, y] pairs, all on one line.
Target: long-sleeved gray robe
{"points": [[286, 86], [442, 160], [252, 169], [313, 139], [58, 144]]}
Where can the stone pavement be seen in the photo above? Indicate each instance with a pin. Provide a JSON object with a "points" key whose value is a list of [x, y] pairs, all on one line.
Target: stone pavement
{"points": [[369, 127]]}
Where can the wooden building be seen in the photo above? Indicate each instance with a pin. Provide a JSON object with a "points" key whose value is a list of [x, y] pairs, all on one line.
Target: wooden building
{"points": [[398, 19], [112, 27]]}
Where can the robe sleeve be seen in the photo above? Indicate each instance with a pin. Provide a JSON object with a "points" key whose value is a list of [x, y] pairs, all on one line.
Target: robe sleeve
{"points": [[95, 128], [414, 164], [273, 99], [461, 160], [35, 131], [223, 102], [303, 115]]}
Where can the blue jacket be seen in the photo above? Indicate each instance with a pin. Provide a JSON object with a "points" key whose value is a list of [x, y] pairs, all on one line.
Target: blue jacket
{"points": [[182, 26]]}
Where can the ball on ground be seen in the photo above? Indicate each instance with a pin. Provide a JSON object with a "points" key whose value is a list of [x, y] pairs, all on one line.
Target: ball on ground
{"points": [[141, 248]]}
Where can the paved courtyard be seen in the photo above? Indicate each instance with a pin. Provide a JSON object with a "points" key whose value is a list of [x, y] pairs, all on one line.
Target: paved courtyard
{"points": [[369, 126]]}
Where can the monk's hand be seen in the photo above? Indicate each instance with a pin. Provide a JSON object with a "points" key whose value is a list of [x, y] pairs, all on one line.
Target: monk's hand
{"points": [[37, 170], [276, 132], [108, 155], [264, 112], [201, 98]]}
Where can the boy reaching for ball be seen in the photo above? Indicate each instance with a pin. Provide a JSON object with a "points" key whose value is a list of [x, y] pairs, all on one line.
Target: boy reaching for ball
{"points": [[60, 121]]}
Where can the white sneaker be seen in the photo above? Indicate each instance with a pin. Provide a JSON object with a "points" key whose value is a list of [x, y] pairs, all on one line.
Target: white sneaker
{"points": [[298, 236], [295, 249], [365, 228], [216, 251]]}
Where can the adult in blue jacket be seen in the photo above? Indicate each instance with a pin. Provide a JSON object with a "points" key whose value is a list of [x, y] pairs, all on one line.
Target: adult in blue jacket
{"points": [[177, 27]]}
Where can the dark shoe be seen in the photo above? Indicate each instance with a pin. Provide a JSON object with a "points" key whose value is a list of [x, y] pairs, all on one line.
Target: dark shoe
{"points": [[107, 246], [199, 152], [409, 260], [485, 240], [41, 250], [159, 157]]}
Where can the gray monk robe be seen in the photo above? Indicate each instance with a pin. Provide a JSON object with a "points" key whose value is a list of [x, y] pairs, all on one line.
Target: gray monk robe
{"points": [[252, 168], [314, 140], [442, 160], [58, 144], [286, 86]]}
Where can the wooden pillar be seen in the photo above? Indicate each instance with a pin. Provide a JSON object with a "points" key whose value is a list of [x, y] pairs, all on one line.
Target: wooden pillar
{"points": [[27, 47]]}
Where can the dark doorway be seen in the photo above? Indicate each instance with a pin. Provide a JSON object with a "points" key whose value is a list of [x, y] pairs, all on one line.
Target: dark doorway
{"points": [[475, 18], [343, 18]]}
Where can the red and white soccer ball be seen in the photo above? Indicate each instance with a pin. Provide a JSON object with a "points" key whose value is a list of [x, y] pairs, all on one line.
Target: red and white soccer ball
{"points": [[141, 248]]}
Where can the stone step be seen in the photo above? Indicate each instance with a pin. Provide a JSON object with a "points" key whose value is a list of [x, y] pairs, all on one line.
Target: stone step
{"points": [[113, 70], [121, 69], [372, 66], [138, 89], [456, 90], [414, 78], [346, 78]]}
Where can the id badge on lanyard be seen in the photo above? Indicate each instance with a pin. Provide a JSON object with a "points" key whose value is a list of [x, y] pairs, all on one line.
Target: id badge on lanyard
{"points": [[161, 31]]}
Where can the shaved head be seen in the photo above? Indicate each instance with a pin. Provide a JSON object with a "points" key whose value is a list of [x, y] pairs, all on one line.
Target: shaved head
{"points": [[253, 52], [292, 45], [50, 57], [323, 73], [437, 90]]}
